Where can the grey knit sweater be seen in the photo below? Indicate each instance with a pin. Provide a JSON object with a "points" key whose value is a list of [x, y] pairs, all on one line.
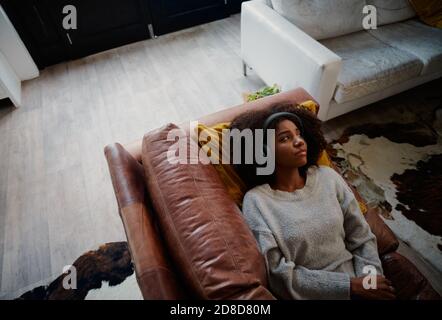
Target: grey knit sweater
{"points": [[313, 239]]}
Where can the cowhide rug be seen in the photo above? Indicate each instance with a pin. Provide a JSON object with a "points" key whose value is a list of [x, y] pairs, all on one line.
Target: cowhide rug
{"points": [[103, 274], [396, 163]]}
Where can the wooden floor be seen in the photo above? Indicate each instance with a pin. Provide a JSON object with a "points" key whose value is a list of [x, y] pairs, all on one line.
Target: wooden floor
{"points": [[56, 197]]}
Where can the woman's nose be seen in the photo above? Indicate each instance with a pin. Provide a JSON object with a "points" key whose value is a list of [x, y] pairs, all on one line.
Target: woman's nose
{"points": [[298, 141]]}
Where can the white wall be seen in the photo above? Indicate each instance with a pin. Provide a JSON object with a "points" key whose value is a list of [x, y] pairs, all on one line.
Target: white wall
{"points": [[14, 50], [16, 63]]}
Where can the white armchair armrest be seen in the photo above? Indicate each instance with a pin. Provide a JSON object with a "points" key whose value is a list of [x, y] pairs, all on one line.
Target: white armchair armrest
{"points": [[281, 53], [10, 85]]}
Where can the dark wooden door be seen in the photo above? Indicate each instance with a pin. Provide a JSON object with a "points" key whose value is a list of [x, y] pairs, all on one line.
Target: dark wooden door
{"points": [[235, 5], [104, 24], [172, 15], [38, 31], [101, 25]]}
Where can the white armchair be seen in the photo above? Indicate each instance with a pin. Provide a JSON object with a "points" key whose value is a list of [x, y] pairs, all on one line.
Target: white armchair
{"points": [[281, 53], [322, 47]]}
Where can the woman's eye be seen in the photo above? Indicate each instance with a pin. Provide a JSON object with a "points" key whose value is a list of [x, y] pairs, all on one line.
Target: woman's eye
{"points": [[283, 139]]}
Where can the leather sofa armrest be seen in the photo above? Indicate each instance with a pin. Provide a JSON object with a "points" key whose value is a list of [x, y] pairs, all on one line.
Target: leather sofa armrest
{"points": [[408, 281], [156, 278], [127, 175], [386, 240]]}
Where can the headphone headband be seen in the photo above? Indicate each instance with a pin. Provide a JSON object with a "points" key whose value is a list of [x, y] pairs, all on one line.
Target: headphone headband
{"points": [[277, 115]]}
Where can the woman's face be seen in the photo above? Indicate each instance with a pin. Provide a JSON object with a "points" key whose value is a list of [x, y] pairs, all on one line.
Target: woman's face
{"points": [[290, 147]]}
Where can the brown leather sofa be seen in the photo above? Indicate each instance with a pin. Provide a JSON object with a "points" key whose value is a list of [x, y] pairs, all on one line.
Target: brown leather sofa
{"points": [[186, 236]]}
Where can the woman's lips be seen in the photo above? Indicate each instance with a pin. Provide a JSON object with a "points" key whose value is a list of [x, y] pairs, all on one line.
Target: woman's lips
{"points": [[301, 153]]}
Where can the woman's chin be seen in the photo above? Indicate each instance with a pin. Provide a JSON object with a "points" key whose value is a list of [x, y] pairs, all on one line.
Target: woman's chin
{"points": [[300, 162]]}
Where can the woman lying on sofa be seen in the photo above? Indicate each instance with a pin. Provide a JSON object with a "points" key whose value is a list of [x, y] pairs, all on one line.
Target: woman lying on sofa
{"points": [[306, 220]]}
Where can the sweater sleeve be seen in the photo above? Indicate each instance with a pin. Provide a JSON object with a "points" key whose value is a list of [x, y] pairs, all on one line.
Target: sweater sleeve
{"points": [[287, 280], [359, 239], [290, 281]]}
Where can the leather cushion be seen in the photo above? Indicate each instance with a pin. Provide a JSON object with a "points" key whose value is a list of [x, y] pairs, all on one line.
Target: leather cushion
{"points": [[409, 283], [386, 240], [202, 227]]}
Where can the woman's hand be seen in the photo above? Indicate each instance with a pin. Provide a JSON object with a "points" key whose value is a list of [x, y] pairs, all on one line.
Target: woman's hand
{"points": [[384, 289]]}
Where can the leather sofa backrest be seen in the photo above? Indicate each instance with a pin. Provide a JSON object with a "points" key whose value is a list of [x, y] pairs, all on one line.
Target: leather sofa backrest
{"points": [[203, 229]]}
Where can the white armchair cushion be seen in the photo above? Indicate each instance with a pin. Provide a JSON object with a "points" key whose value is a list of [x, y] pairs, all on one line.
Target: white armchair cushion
{"points": [[390, 11], [369, 65], [423, 41], [322, 19]]}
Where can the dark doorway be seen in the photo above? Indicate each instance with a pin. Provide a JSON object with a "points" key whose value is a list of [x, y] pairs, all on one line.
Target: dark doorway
{"points": [[172, 15], [104, 24], [101, 25]]}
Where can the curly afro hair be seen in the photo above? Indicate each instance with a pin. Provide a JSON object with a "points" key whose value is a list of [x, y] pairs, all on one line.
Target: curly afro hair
{"points": [[255, 119]]}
